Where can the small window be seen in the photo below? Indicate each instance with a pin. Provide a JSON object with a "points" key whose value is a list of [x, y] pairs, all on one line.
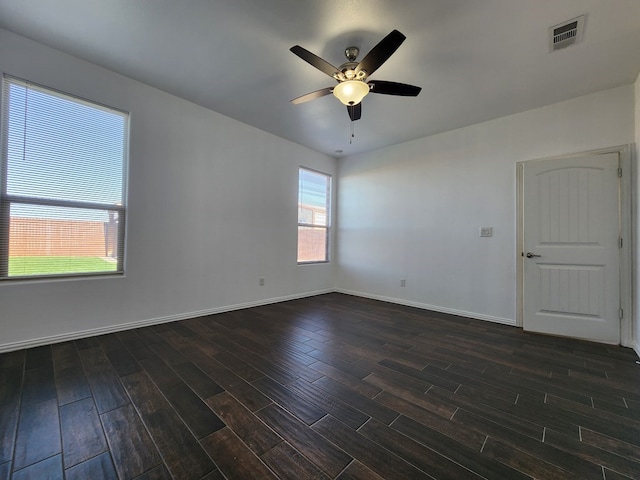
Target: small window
{"points": [[62, 184], [314, 193]]}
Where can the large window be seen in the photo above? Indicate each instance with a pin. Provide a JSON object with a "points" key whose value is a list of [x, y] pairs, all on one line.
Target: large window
{"points": [[314, 193], [62, 184]]}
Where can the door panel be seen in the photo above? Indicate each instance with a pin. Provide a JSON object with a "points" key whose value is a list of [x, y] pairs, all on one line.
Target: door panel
{"points": [[571, 220]]}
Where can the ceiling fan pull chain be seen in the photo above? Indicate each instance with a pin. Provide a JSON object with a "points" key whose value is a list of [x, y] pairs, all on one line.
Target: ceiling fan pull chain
{"points": [[352, 134]]}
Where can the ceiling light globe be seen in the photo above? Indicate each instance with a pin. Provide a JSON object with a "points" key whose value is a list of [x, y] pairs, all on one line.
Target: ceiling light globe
{"points": [[351, 92]]}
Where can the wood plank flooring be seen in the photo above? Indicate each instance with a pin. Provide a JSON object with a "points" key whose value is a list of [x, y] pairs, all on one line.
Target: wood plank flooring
{"points": [[327, 387]]}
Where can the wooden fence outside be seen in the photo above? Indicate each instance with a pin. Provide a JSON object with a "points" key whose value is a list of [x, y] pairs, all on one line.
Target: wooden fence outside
{"points": [[312, 244], [51, 237]]}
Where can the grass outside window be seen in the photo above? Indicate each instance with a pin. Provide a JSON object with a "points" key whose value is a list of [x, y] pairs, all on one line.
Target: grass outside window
{"points": [[28, 266]]}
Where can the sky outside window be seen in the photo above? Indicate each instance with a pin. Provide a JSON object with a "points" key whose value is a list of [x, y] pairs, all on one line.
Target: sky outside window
{"points": [[314, 188], [62, 150]]}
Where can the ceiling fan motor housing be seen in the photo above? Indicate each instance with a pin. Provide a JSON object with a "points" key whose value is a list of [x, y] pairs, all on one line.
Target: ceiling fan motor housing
{"points": [[347, 71]]}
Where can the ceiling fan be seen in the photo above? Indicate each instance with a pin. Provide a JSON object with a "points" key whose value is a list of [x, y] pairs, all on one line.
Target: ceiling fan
{"points": [[352, 76]]}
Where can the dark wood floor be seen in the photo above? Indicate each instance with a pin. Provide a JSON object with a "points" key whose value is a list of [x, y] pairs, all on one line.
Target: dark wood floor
{"points": [[327, 387]]}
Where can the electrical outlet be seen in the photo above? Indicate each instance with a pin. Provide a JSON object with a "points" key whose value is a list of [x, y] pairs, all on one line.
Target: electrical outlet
{"points": [[403, 283], [262, 282], [486, 231]]}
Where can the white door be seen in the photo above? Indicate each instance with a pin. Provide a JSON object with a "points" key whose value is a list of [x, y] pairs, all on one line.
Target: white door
{"points": [[571, 228]]}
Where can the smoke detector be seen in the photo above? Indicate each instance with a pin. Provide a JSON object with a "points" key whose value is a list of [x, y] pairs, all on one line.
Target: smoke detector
{"points": [[566, 33]]}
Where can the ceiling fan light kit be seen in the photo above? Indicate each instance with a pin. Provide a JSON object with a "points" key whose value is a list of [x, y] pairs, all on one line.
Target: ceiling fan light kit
{"points": [[352, 76], [351, 92]]}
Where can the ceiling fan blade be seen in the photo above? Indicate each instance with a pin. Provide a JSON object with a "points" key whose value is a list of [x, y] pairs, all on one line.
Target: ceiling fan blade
{"points": [[394, 88], [355, 111], [381, 52], [314, 60], [312, 95]]}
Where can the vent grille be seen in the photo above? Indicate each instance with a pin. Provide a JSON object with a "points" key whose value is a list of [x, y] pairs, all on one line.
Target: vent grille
{"points": [[567, 33]]}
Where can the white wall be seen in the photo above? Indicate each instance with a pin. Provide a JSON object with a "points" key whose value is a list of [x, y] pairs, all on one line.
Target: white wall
{"points": [[636, 217], [413, 211], [212, 207]]}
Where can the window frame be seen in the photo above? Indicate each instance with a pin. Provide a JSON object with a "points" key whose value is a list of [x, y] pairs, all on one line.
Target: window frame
{"points": [[6, 200], [327, 227]]}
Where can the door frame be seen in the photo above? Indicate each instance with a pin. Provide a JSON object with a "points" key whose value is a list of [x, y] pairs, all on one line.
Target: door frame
{"points": [[626, 266]]}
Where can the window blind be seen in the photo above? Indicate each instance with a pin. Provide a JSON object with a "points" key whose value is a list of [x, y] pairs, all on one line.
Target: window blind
{"points": [[62, 184]]}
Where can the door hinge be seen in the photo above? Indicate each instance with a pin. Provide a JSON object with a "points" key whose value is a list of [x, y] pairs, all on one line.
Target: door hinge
{"points": [[620, 242], [619, 172], [620, 313]]}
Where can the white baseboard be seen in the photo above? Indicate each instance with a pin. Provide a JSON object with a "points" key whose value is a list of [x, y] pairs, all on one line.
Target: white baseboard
{"points": [[8, 347], [36, 342], [435, 308]]}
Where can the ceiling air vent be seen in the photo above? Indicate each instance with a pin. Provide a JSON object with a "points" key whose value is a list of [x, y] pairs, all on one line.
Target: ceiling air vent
{"points": [[567, 33]]}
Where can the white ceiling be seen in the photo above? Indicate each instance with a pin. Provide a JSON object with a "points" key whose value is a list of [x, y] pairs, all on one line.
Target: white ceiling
{"points": [[474, 59]]}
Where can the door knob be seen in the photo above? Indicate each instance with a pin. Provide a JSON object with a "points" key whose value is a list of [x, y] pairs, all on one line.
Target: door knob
{"points": [[532, 255]]}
